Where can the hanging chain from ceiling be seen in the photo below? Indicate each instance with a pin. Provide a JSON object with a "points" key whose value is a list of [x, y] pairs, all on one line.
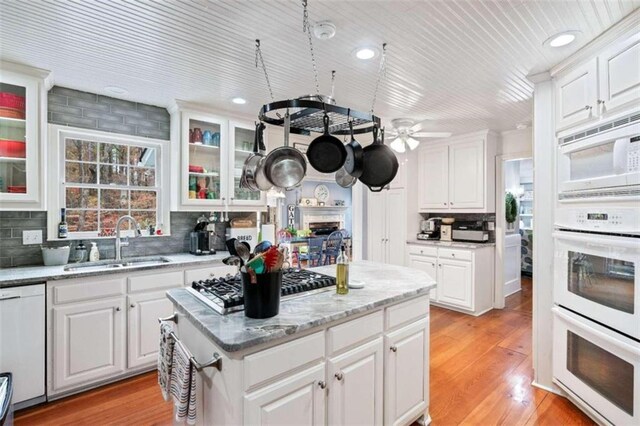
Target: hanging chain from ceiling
{"points": [[333, 82], [306, 27], [260, 60], [382, 71]]}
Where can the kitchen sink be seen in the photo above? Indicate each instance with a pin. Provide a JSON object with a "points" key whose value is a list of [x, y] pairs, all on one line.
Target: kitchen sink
{"points": [[103, 265]]}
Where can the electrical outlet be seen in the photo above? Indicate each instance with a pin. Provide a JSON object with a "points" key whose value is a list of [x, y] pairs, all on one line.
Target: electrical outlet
{"points": [[491, 226], [32, 237]]}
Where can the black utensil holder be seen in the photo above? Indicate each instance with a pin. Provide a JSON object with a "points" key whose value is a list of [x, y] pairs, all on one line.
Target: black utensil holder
{"points": [[262, 298]]}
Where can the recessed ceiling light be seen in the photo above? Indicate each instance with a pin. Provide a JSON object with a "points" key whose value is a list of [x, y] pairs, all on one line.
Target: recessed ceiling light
{"points": [[115, 90], [561, 39], [239, 101], [365, 53]]}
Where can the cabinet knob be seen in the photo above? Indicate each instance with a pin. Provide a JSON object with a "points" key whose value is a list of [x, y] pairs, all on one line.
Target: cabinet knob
{"points": [[394, 348], [118, 309], [132, 305], [421, 251], [444, 204], [453, 255], [440, 265], [587, 107], [451, 203], [212, 274], [339, 376], [600, 101], [322, 384]]}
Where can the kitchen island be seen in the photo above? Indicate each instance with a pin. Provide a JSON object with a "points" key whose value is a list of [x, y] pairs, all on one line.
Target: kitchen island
{"points": [[362, 358]]}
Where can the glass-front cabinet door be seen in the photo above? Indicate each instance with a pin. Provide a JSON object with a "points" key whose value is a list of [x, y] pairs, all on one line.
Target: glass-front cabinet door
{"points": [[20, 184], [242, 137], [204, 160]]}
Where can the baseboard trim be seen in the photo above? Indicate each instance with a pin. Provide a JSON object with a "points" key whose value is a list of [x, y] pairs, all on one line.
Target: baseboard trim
{"points": [[548, 389]]}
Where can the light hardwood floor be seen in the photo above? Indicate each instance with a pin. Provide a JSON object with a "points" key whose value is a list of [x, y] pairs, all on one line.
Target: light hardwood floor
{"points": [[480, 375]]}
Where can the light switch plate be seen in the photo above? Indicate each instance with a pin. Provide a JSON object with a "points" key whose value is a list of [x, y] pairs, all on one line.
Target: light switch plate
{"points": [[32, 237], [491, 226]]}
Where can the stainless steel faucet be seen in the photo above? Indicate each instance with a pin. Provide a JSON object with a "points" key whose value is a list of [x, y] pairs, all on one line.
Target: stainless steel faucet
{"points": [[125, 241]]}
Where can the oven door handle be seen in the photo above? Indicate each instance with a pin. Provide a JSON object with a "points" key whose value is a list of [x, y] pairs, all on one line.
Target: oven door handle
{"points": [[581, 326], [601, 241]]}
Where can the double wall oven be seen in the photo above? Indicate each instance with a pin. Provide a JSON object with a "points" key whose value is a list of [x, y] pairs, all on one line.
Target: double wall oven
{"points": [[596, 317]]}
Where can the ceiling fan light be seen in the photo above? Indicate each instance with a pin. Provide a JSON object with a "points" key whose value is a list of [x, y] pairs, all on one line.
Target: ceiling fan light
{"points": [[413, 143], [398, 145]]}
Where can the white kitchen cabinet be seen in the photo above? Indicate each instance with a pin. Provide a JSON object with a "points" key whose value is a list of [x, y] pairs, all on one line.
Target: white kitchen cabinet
{"points": [[22, 167], [209, 168], [619, 74], [355, 386], [142, 326], [88, 342], [577, 95], [455, 283], [464, 276], [386, 226], [406, 373], [299, 399], [457, 174]]}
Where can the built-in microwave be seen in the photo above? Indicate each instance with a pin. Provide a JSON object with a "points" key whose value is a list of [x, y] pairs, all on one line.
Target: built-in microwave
{"points": [[600, 163]]}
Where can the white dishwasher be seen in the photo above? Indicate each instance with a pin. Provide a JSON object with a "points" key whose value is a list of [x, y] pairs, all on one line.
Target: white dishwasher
{"points": [[22, 342]]}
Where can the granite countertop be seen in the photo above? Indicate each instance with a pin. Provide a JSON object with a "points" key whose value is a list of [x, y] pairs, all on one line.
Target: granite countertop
{"points": [[384, 284], [452, 244], [26, 275]]}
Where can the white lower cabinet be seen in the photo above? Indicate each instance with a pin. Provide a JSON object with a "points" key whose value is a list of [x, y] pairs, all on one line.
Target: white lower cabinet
{"points": [[355, 386], [144, 311], [455, 283], [406, 373], [299, 399], [88, 342]]}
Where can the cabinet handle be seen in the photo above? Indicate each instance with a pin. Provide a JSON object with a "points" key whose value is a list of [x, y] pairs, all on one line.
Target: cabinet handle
{"points": [[600, 102], [421, 251], [453, 255], [451, 203], [440, 265], [339, 376], [118, 309], [394, 348], [322, 384], [444, 204], [212, 274], [132, 305], [587, 107]]}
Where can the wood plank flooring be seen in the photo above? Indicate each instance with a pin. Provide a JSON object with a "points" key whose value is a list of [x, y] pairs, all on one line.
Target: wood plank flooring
{"points": [[480, 375]]}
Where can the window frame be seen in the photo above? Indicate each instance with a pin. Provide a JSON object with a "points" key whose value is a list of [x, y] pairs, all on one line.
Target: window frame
{"points": [[57, 175]]}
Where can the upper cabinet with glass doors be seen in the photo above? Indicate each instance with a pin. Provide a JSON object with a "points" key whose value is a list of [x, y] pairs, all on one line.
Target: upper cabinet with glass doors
{"points": [[23, 99], [212, 153]]}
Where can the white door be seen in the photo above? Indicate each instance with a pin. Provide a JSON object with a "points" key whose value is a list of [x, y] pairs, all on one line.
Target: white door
{"points": [[619, 72], [406, 373], [577, 95], [296, 400], [433, 178], [466, 175], [143, 328], [377, 227], [88, 342], [396, 223], [455, 283], [424, 263], [355, 386]]}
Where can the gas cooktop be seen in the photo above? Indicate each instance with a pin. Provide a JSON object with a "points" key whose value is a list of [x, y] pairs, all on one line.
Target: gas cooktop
{"points": [[224, 294]]}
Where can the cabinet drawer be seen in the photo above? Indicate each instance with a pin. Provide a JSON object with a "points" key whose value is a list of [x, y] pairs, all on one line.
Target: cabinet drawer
{"points": [[191, 275], [89, 288], [348, 334], [455, 254], [407, 312], [167, 279], [264, 365], [423, 250]]}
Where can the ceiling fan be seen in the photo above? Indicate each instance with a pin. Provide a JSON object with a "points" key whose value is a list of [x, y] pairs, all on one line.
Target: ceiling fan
{"points": [[405, 131]]}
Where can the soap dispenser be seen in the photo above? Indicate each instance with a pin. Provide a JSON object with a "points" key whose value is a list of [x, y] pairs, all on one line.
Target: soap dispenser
{"points": [[94, 254]]}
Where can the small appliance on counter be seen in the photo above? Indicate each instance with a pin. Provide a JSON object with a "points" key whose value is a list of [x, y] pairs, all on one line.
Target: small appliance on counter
{"points": [[430, 229], [473, 231], [201, 240]]}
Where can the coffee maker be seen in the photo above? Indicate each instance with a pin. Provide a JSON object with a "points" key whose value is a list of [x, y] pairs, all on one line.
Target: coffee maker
{"points": [[202, 240], [430, 229]]}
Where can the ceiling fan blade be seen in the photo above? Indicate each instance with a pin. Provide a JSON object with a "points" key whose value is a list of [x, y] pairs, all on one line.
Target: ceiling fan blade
{"points": [[430, 134]]}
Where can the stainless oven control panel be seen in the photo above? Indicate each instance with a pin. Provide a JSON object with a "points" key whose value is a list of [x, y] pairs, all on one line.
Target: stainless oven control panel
{"points": [[622, 220]]}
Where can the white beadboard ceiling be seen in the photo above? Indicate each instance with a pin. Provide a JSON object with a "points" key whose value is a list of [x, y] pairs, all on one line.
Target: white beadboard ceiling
{"points": [[461, 63]]}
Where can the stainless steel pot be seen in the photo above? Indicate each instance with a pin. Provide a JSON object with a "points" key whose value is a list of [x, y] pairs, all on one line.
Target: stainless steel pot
{"points": [[285, 167]]}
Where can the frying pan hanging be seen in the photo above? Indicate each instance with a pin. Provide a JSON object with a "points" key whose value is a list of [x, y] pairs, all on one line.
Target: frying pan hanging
{"points": [[326, 153], [247, 179], [380, 164], [260, 176], [285, 167], [353, 161]]}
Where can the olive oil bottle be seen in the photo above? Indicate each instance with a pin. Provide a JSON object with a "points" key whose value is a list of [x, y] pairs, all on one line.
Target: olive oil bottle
{"points": [[342, 273]]}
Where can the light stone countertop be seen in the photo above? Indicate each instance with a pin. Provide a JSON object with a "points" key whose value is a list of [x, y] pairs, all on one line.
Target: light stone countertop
{"points": [[384, 285], [451, 244], [26, 275]]}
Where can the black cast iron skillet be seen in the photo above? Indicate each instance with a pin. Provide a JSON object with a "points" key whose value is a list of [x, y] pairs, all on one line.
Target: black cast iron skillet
{"points": [[353, 162], [326, 153], [380, 164]]}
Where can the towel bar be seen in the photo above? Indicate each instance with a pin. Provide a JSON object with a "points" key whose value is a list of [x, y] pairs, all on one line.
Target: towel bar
{"points": [[173, 318]]}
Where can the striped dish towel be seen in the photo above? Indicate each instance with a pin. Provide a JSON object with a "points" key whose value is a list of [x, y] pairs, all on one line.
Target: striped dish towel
{"points": [[165, 357], [183, 385]]}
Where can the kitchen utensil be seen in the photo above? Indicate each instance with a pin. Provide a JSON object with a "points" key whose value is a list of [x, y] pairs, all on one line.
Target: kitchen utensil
{"points": [[344, 179], [54, 256], [326, 153], [231, 246], [262, 247], [380, 164], [285, 167], [248, 177], [243, 250], [353, 162], [232, 261], [260, 176]]}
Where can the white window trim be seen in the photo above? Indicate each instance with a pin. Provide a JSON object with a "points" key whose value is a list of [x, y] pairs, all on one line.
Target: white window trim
{"points": [[56, 174]]}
